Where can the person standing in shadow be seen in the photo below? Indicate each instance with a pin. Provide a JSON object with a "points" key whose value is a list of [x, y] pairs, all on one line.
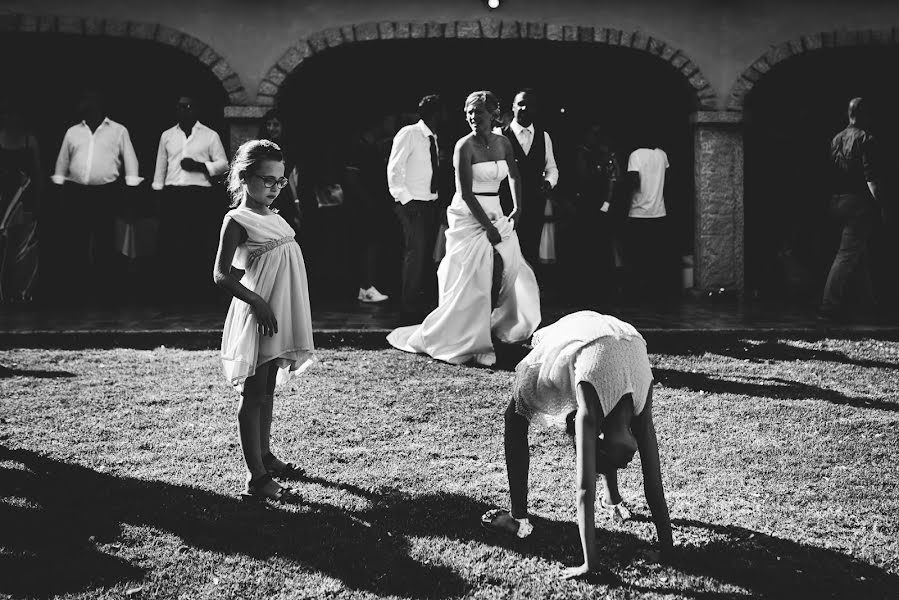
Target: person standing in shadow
{"points": [[599, 217], [412, 177], [287, 203], [190, 155], [21, 192], [367, 184], [647, 245], [93, 155], [855, 203]]}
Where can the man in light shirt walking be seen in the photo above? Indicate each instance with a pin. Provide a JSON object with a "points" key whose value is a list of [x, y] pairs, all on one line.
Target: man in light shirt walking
{"points": [[91, 159], [190, 155], [412, 178]]}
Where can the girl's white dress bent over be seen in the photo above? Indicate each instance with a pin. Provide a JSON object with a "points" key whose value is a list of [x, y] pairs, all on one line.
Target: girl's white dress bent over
{"points": [[273, 268]]}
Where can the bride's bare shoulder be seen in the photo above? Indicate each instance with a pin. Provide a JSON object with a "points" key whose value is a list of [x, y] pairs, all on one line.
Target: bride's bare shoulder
{"points": [[464, 140]]}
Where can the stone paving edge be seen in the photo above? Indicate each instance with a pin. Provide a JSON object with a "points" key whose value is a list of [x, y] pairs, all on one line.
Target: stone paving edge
{"points": [[196, 339]]}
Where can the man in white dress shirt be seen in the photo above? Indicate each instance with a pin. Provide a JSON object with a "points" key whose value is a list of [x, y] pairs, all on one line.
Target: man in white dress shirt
{"points": [[412, 178], [539, 174], [89, 166], [190, 155]]}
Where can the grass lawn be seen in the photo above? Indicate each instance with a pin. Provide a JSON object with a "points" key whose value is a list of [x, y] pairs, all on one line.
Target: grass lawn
{"points": [[120, 469]]}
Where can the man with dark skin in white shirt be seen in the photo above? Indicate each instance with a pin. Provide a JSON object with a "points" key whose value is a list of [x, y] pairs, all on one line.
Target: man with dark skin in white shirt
{"points": [[190, 155]]}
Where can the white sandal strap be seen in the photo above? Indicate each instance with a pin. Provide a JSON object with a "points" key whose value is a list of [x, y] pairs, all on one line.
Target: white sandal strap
{"points": [[524, 527]]}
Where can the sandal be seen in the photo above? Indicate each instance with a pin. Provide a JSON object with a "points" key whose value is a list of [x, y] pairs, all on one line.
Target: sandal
{"points": [[288, 471], [256, 491], [618, 513], [523, 530]]}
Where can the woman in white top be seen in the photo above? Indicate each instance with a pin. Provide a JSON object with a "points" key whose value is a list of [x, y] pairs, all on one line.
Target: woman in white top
{"points": [[487, 290], [590, 373]]}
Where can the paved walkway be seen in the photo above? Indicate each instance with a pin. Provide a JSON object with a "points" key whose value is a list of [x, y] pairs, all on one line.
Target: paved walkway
{"points": [[689, 315]]}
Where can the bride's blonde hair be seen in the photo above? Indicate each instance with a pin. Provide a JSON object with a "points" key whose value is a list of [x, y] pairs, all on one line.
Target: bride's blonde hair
{"points": [[490, 102]]}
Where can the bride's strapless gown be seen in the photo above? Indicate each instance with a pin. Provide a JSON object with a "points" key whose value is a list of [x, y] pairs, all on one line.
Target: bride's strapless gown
{"points": [[460, 328]]}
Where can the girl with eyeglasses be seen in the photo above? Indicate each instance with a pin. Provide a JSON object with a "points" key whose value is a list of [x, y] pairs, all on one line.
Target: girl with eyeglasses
{"points": [[268, 331]]}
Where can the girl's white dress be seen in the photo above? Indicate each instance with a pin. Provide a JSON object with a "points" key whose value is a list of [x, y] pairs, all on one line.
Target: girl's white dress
{"points": [[583, 346], [274, 269], [460, 328]]}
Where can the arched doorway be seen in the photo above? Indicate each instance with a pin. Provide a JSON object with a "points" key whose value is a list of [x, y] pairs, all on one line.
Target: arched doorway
{"points": [[140, 77], [636, 96], [792, 113]]}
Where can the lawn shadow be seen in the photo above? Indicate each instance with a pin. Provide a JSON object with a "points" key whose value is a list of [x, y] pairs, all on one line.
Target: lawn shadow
{"points": [[771, 567], [59, 521], [766, 350], [770, 387], [508, 355], [40, 374]]}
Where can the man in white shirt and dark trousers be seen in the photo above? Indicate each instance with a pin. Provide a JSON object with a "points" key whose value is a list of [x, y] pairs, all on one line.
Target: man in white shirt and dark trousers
{"points": [[539, 175], [647, 241], [190, 209], [89, 166], [412, 176]]}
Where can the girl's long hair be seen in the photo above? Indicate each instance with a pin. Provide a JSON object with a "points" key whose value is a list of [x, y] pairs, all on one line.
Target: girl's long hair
{"points": [[249, 155]]}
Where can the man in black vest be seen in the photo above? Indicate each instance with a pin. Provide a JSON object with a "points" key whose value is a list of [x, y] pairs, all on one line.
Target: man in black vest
{"points": [[539, 174]]}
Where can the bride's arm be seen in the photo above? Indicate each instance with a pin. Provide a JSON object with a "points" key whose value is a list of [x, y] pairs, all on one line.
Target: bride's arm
{"points": [[514, 180], [462, 164]]}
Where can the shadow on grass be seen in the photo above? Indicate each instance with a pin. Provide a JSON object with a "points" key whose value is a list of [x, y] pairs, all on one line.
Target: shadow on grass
{"points": [[57, 520], [39, 374], [770, 567], [767, 350], [771, 387]]}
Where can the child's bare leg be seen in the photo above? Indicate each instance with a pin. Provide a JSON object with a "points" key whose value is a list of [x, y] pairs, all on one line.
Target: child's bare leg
{"points": [[266, 410], [249, 419], [248, 428], [517, 460], [610, 494]]}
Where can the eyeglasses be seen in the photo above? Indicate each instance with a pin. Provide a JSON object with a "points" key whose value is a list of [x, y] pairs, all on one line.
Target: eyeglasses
{"points": [[271, 182]]}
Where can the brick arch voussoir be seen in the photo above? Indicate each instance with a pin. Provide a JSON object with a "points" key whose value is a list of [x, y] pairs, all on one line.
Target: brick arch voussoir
{"points": [[706, 97], [153, 32], [801, 45]]}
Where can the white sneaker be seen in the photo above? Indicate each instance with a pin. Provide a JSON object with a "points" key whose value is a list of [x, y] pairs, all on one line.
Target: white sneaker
{"points": [[372, 295]]}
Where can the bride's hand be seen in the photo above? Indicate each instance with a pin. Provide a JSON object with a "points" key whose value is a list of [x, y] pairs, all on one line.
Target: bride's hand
{"points": [[515, 216], [493, 235]]}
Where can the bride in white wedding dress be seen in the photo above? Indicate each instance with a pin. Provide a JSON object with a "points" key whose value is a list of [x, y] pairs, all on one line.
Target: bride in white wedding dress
{"points": [[487, 290]]}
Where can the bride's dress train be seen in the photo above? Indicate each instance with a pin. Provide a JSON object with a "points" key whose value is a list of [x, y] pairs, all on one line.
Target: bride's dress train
{"points": [[460, 328]]}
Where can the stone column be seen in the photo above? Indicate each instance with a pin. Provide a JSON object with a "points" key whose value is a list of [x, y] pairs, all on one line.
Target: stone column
{"points": [[243, 124], [718, 175]]}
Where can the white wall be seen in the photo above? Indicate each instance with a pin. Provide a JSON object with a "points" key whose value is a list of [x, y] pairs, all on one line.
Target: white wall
{"points": [[723, 37]]}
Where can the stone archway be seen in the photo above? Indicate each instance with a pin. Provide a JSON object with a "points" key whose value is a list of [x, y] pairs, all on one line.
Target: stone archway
{"points": [[794, 95], [161, 34], [802, 45], [718, 239], [706, 97]]}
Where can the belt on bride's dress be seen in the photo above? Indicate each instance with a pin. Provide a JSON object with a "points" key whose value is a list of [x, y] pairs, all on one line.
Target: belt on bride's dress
{"points": [[486, 193]]}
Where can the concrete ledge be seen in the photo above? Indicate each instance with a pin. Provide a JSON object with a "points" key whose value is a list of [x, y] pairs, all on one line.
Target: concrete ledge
{"points": [[657, 339]]}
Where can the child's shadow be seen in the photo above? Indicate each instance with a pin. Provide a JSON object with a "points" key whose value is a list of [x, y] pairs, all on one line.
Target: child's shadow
{"points": [[59, 523], [61, 526]]}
